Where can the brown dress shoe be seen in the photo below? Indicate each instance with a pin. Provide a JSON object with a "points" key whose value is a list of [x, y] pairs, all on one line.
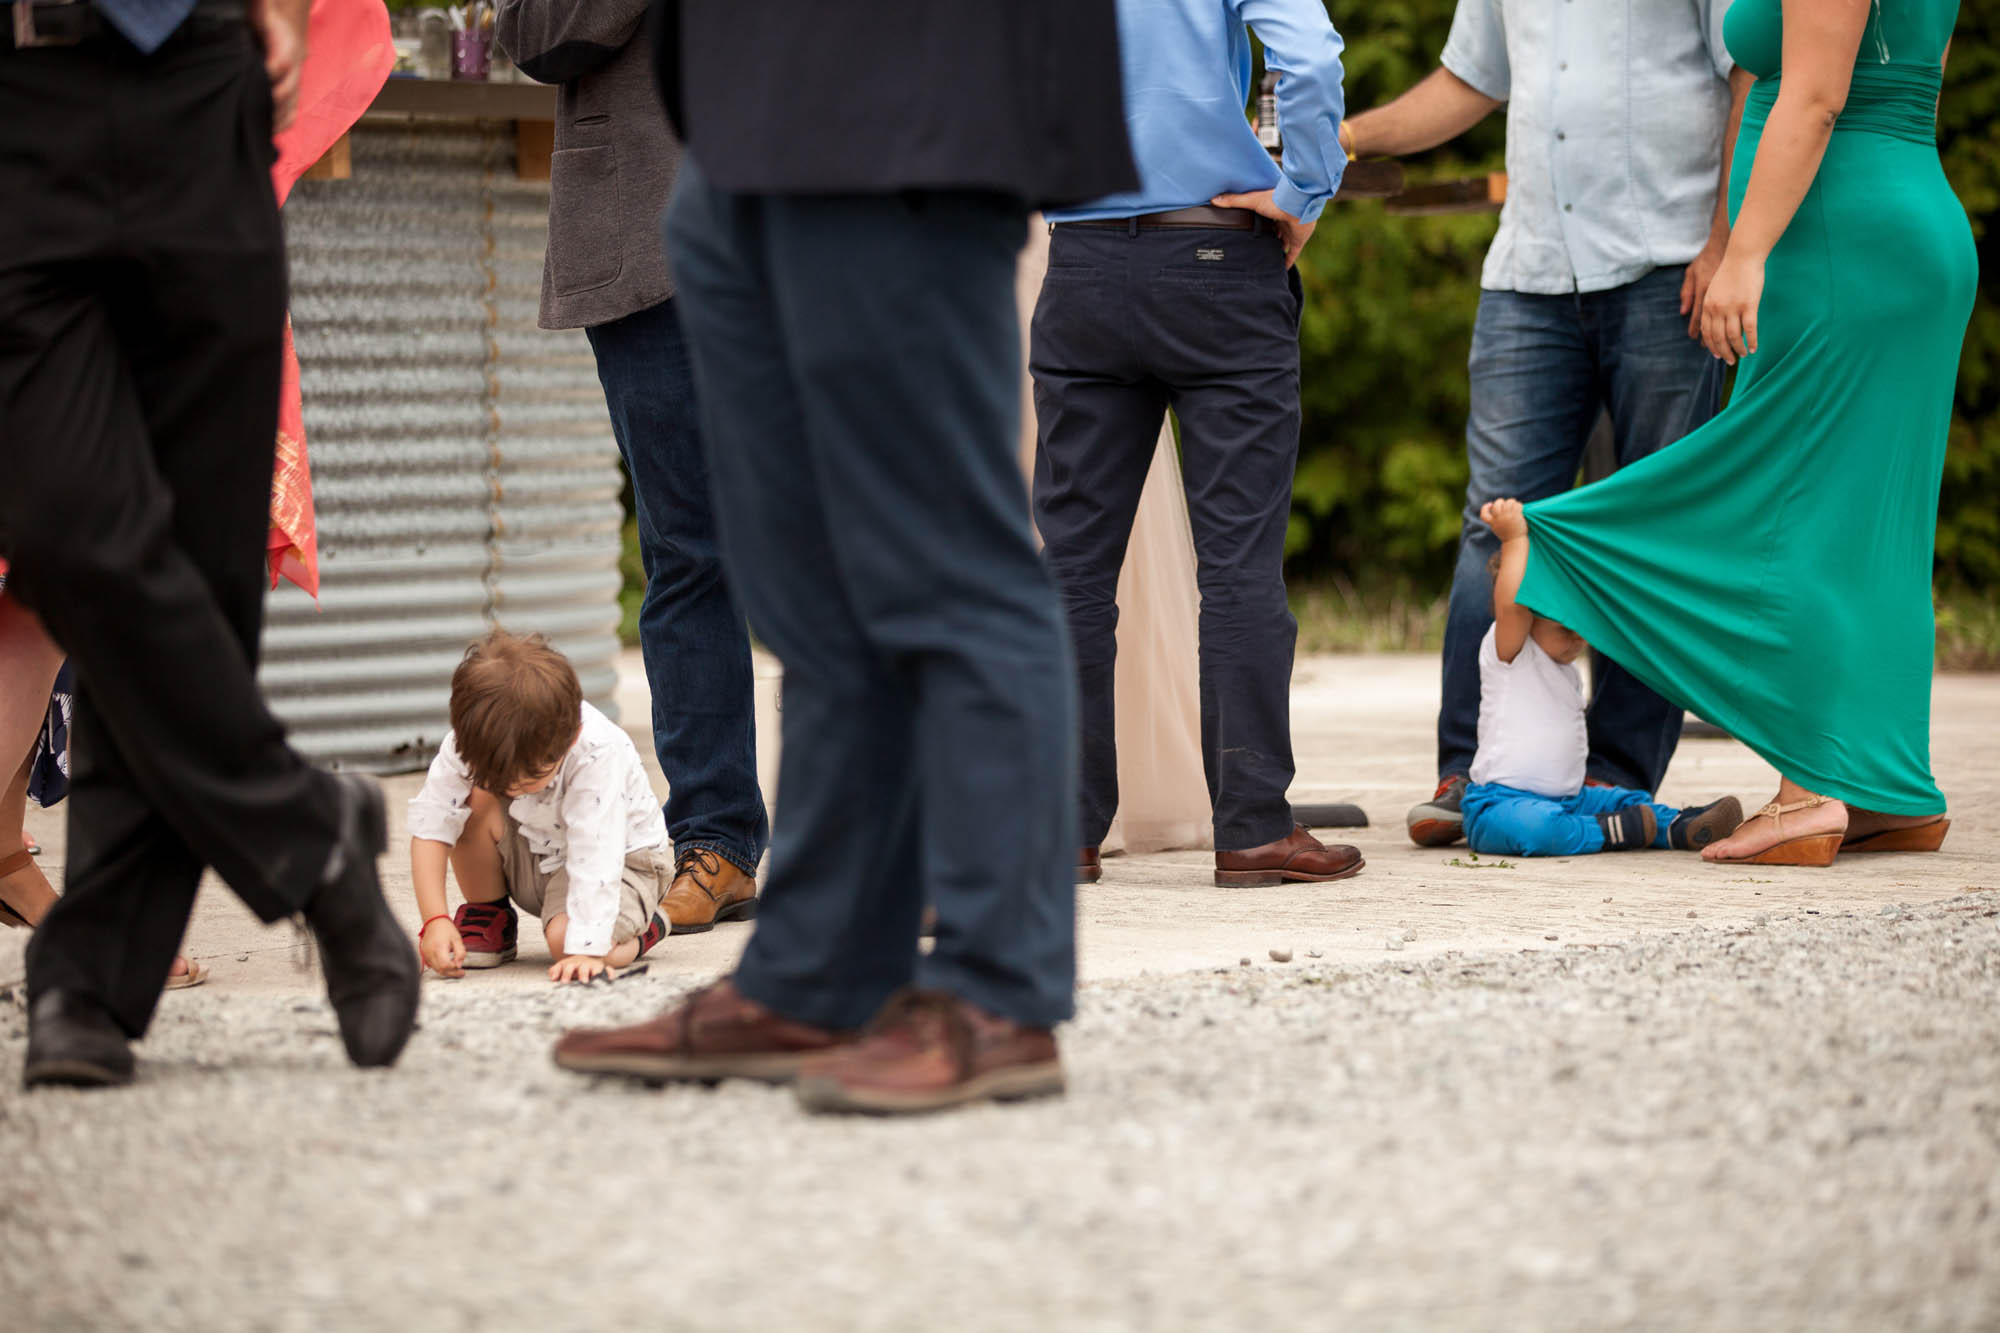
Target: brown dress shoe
{"points": [[1089, 867], [713, 1034], [707, 888], [1301, 857], [928, 1051]]}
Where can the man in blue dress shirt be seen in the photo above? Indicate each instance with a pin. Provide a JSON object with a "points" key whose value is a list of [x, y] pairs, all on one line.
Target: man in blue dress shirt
{"points": [[1180, 294], [1619, 121], [142, 313]]}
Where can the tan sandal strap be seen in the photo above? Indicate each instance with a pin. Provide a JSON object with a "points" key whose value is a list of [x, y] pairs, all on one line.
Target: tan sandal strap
{"points": [[1776, 813], [15, 864]]}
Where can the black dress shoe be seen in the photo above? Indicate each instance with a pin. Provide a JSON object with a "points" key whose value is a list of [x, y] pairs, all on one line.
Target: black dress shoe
{"points": [[74, 1042], [372, 974]]}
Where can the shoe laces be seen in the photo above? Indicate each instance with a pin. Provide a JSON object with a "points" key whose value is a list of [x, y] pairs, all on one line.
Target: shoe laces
{"points": [[700, 864], [914, 1015]]}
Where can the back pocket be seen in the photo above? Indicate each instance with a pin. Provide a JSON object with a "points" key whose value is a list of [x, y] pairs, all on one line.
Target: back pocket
{"points": [[585, 248]]}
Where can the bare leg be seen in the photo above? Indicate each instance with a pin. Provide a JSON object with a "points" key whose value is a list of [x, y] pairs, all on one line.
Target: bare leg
{"points": [[26, 891], [475, 858], [1761, 831]]}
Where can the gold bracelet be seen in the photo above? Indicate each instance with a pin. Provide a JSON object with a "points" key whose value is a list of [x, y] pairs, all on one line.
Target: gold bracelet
{"points": [[1345, 138]]}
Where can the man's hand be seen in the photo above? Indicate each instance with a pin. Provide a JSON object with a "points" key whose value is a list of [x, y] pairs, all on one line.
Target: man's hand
{"points": [[1291, 231], [281, 26], [575, 967], [1505, 518], [1700, 273], [443, 949]]}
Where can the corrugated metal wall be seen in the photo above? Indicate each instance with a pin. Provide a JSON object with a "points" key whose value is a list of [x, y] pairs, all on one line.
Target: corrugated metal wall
{"points": [[463, 466]]}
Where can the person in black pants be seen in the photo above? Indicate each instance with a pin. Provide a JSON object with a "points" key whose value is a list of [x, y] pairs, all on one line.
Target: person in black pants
{"points": [[844, 236], [142, 306], [1180, 295]]}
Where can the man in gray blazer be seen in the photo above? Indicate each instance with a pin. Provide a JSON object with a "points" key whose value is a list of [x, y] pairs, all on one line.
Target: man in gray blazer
{"points": [[614, 166]]}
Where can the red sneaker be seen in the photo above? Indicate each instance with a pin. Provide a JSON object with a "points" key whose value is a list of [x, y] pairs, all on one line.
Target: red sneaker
{"points": [[489, 931]]}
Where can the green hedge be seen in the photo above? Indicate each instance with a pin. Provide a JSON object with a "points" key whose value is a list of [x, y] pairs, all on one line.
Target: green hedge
{"points": [[1388, 323]]}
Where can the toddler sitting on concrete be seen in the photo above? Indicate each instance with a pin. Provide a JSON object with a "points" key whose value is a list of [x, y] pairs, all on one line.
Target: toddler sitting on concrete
{"points": [[538, 798], [1527, 796]]}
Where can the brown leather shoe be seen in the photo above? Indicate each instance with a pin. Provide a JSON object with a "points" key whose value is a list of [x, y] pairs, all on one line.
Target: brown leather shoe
{"points": [[713, 1034], [707, 888], [1301, 857], [1089, 866], [929, 1051]]}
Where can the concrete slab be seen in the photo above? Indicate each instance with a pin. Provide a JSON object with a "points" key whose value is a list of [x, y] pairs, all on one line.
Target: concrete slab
{"points": [[1363, 734]]}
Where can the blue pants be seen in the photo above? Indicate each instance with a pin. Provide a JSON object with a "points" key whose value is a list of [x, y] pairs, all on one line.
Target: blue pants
{"points": [[691, 633], [1541, 368], [1503, 821], [1129, 324], [858, 359]]}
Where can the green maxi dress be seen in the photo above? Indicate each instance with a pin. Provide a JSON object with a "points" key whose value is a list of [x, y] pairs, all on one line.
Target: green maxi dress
{"points": [[1772, 570]]}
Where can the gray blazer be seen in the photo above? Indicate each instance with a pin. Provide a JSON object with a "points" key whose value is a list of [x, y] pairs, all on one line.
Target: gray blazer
{"points": [[615, 156]]}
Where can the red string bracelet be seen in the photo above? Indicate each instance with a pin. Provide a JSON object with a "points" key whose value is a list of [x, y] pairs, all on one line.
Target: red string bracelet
{"points": [[441, 916]]}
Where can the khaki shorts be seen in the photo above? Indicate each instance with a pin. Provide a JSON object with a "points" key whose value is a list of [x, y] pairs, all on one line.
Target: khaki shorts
{"points": [[545, 893]]}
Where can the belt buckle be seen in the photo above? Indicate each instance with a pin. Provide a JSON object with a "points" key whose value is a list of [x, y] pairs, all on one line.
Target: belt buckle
{"points": [[24, 28]]}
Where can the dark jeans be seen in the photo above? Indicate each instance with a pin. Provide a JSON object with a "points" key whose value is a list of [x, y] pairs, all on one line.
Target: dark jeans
{"points": [[142, 307], [1542, 368], [858, 361], [1129, 324], [691, 633]]}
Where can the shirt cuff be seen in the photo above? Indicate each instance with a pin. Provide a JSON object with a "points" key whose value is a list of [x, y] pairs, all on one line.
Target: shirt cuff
{"points": [[1294, 201], [592, 938]]}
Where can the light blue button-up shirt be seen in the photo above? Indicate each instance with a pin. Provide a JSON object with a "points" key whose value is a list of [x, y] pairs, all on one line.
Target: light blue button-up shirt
{"points": [[1615, 118], [1187, 81]]}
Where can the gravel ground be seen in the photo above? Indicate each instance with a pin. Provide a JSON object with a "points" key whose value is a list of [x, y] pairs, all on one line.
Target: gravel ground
{"points": [[1791, 1124]]}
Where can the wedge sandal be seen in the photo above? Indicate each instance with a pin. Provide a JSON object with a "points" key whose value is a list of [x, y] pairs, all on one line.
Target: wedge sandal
{"points": [[1808, 849]]}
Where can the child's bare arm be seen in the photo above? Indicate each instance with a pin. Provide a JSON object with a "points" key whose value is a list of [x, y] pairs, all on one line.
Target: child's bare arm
{"points": [[440, 943], [1512, 622]]}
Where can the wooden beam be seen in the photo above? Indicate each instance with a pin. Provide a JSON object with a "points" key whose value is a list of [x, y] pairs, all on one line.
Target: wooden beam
{"points": [[534, 144], [336, 164]]}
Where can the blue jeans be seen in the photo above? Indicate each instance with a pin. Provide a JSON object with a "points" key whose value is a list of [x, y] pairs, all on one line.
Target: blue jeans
{"points": [[691, 634], [1129, 324], [1503, 821], [1541, 369], [860, 366]]}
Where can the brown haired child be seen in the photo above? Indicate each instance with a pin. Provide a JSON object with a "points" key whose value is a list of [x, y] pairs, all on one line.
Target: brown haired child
{"points": [[538, 798]]}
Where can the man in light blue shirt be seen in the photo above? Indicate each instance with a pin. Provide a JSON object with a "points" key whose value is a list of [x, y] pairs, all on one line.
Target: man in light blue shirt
{"points": [[1180, 294], [1619, 122]]}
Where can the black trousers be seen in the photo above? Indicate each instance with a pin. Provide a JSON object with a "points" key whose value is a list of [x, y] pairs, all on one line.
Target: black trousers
{"points": [[142, 305], [1130, 323]]}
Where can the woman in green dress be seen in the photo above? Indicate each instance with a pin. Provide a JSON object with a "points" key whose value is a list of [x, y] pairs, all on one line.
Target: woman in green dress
{"points": [[1772, 570]]}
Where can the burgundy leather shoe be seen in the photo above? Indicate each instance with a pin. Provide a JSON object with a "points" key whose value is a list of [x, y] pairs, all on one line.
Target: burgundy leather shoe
{"points": [[1301, 857], [1089, 867], [929, 1051], [715, 1033]]}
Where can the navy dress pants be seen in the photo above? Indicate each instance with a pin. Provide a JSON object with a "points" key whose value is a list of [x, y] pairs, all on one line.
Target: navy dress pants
{"points": [[1133, 321], [858, 366]]}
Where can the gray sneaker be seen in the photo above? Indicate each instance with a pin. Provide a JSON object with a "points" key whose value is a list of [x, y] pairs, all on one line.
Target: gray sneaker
{"points": [[1440, 821]]}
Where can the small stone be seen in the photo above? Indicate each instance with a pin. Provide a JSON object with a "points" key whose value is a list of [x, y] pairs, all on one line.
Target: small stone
{"points": [[1281, 955], [1393, 945], [1690, 916], [1314, 953], [1243, 962], [1551, 937], [1410, 935], [1607, 900], [242, 957]]}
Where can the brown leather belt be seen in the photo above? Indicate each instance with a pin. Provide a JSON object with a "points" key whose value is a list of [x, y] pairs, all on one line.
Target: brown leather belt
{"points": [[1200, 215]]}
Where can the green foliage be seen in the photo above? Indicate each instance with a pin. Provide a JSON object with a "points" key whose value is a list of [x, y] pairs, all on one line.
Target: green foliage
{"points": [[1388, 324]]}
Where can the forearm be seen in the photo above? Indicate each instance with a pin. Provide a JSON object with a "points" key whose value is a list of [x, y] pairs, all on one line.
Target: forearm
{"points": [[1788, 156], [428, 860], [1441, 107], [1740, 80]]}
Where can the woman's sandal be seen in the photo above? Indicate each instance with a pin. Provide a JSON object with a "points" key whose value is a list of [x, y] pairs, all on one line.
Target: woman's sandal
{"points": [[194, 976], [1909, 838], [10, 866], [1810, 849]]}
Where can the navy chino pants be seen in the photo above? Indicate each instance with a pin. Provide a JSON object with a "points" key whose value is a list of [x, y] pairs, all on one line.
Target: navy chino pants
{"points": [[857, 360], [1131, 322]]}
